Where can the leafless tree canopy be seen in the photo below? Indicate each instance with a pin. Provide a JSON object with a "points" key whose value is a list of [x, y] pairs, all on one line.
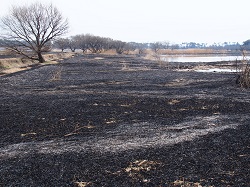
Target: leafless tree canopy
{"points": [[73, 43], [62, 43], [96, 44], [157, 46], [119, 46], [32, 28], [81, 42]]}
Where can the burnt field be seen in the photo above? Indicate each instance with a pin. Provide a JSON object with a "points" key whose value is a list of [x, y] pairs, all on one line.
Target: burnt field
{"points": [[99, 120]]}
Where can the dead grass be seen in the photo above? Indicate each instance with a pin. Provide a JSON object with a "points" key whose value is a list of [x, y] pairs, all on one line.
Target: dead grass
{"points": [[28, 134], [15, 64], [138, 169], [150, 55], [11, 65], [191, 51], [184, 183], [126, 67], [78, 129], [56, 76], [82, 184], [243, 69]]}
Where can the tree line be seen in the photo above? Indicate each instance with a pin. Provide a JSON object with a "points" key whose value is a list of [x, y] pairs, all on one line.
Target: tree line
{"points": [[93, 44], [32, 30]]}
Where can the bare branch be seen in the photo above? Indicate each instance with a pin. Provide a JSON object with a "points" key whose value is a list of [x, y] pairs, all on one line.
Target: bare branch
{"points": [[33, 28]]}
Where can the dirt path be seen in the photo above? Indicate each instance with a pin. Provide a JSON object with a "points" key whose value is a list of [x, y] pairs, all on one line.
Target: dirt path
{"points": [[122, 121]]}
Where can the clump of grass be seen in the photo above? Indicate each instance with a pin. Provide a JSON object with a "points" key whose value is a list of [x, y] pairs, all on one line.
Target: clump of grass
{"points": [[138, 170], [243, 79], [82, 184], [56, 76], [184, 183], [243, 69]]}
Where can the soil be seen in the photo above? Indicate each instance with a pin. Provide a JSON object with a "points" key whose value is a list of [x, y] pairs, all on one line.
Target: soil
{"points": [[99, 120]]}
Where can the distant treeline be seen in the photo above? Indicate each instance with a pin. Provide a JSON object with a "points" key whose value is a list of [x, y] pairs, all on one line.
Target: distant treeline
{"points": [[98, 44]]}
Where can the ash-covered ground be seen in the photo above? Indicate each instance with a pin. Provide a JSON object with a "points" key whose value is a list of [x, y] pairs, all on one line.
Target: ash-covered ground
{"points": [[96, 120]]}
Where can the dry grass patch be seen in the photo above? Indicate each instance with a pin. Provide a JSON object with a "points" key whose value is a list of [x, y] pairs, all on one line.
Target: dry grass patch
{"points": [[243, 69], [58, 56], [110, 121], [178, 82], [126, 67], [173, 102], [78, 128], [138, 169], [191, 51], [15, 64], [82, 184], [183, 183], [56, 76], [11, 65]]}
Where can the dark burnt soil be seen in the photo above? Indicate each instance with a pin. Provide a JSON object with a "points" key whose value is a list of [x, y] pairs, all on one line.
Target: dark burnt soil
{"points": [[123, 121]]}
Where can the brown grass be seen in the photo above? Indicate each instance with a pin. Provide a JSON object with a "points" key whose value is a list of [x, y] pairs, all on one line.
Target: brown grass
{"points": [[186, 52], [138, 170], [11, 65], [243, 78], [184, 183], [190, 51], [15, 64]]}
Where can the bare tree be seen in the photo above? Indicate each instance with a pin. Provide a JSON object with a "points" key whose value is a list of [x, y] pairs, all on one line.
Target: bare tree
{"points": [[96, 44], [156, 46], [141, 48], [173, 46], [119, 46], [62, 43], [31, 28], [81, 42], [108, 43], [129, 47], [166, 45], [73, 43], [245, 47]]}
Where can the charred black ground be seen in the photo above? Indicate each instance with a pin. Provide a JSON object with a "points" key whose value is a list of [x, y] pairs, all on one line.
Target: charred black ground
{"points": [[123, 121]]}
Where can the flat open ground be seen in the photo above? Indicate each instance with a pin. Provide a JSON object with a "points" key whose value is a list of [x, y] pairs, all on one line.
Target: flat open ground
{"points": [[98, 120]]}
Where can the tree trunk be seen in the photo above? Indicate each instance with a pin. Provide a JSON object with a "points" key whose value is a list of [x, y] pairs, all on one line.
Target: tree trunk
{"points": [[40, 57]]}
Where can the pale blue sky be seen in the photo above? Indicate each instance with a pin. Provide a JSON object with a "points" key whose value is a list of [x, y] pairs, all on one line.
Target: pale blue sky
{"points": [[154, 20]]}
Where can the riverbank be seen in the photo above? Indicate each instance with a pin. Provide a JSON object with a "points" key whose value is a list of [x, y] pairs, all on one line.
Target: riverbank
{"points": [[98, 120], [200, 52], [10, 63]]}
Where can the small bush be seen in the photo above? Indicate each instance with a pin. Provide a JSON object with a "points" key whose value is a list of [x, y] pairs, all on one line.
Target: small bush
{"points": [[243, 68], [243, 79]]}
